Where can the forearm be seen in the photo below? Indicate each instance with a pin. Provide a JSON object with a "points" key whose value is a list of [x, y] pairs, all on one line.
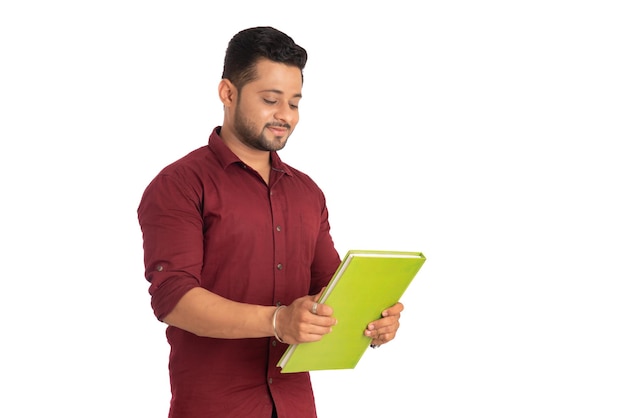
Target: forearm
{"points": [[209, 315]]}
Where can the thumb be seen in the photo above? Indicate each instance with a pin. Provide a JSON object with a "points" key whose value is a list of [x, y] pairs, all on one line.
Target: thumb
{"points": [[316, 297]]}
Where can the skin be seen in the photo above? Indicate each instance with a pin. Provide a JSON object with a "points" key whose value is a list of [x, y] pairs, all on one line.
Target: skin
{"points": [[258, 119]]}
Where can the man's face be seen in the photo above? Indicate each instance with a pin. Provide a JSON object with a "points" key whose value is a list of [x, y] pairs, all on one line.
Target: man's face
{"points": [[266, 112]]}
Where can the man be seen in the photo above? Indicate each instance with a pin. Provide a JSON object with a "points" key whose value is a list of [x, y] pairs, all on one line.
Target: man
{"points": [[238, 247]]}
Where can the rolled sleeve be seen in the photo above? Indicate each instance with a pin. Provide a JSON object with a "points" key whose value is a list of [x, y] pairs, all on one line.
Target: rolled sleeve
{"points": [[171, 223]]}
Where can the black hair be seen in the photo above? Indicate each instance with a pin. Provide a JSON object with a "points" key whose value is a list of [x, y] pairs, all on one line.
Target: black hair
{"points": [[247, 47]]}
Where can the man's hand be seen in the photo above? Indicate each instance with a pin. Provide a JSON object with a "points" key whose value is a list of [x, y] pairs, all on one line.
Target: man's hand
{"points": [[304, 320], [384, 329]]}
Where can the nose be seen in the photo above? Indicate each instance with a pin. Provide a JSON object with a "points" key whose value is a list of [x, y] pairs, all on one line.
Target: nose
{"points": [[284, 112]]}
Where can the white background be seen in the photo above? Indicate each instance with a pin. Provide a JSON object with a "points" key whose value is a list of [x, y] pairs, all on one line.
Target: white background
{"points": [[488, 135]]}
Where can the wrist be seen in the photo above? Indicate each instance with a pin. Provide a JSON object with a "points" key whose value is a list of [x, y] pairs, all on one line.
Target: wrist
{"points": [[274, 317]]}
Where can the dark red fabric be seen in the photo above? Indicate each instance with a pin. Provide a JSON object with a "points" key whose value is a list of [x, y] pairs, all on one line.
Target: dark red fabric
{"points": [[210, 221]]}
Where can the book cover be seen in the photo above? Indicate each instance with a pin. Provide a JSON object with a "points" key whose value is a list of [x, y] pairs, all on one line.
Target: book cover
{"points": [[366, 283]]}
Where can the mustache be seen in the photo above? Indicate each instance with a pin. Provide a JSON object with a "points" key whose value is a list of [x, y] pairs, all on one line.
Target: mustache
{"points": [[278, 125]]}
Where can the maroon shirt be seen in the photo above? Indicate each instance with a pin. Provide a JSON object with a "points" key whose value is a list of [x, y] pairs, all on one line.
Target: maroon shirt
{"points": [[209, 220]]}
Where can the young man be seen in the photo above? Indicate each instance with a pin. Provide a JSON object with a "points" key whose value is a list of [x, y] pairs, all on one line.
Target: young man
{"points": [[237, 247]]}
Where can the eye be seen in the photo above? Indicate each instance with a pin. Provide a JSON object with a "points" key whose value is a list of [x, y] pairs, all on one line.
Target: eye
{"points": [[271, 102], [293, 106]]}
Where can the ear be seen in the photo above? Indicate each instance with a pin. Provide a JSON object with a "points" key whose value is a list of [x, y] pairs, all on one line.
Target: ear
{"points": [[227, 92]]}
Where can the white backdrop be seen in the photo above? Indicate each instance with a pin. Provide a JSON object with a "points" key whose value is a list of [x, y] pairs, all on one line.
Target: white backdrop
{"points": [[488, 135]]}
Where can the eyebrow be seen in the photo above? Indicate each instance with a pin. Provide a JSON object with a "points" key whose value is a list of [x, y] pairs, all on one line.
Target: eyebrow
{"points": [[299, 95]]}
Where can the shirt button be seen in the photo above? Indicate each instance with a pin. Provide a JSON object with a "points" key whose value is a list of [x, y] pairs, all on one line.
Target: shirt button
{"points": [[279, 266], [270, 380], [159, 268], [278, 228], [273, 343]]}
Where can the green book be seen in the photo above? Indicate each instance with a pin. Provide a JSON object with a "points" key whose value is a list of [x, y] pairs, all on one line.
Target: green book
{"points": [[366, 283]]}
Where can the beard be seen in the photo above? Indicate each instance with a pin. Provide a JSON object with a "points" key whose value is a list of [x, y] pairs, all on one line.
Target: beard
{"points": [[247, 133]]}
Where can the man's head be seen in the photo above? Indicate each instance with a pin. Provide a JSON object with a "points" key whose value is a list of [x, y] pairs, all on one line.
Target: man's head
{"points": [[247, 47], [261, 88]]}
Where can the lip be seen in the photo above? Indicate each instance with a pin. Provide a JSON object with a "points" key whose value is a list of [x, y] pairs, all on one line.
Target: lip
{"points": [[278, 131]]}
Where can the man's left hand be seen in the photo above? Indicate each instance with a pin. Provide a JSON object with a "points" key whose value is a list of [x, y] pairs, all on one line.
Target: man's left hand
{"points": [[384, 329]]}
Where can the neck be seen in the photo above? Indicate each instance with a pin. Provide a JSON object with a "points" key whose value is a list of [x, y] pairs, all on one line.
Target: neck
{"points": [[257, 159]]}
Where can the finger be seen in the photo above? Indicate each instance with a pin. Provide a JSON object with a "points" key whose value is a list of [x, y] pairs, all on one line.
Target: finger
{"points": [[382, 330], [389, 329], [314, 332], [319, 309], [387, 324], [379, 340], [393, 310], [383, 338]]}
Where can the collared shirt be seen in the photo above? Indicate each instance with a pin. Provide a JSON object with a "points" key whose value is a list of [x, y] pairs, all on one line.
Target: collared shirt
{"points": [[209, 220]]}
